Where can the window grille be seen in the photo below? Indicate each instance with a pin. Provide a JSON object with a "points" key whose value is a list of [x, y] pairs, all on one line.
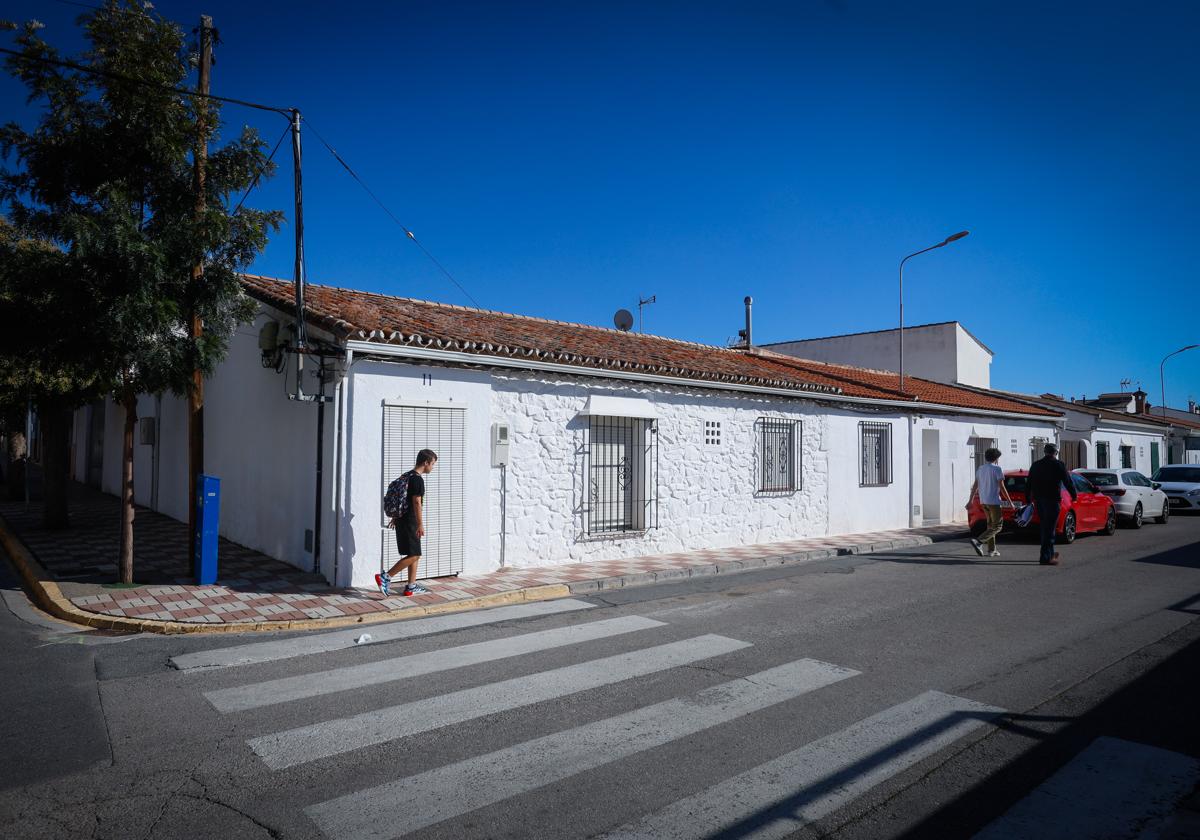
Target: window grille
{"points": [[876, 454], [778, 456], [622, 475], [1127, 457], [1102, 455], [712, 432]]}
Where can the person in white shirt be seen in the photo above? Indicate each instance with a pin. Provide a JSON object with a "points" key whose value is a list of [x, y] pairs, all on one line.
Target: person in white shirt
{"points": [[989, 482]]}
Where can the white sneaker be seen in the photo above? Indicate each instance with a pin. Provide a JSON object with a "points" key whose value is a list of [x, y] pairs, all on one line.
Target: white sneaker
{"points": [[994, 553]]}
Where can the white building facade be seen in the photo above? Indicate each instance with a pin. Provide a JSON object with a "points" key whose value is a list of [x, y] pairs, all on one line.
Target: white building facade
{"points": [[945, 352], [545, 462]]}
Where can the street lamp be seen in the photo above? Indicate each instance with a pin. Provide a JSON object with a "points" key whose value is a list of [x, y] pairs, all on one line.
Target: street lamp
{"points": [[941, 244], [1162, 382]]}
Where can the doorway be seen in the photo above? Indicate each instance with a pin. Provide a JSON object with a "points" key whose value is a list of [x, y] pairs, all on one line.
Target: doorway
{"points": [[931, 477], [94, 465], [407, 430]]}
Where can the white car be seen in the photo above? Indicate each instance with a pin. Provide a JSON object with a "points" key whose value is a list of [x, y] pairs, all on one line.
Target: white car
{"points": [[1135, 496], [1182, 485]]}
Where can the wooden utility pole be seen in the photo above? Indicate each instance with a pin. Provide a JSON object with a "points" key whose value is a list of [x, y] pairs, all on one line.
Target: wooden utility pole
{"points": [[196, 328]]}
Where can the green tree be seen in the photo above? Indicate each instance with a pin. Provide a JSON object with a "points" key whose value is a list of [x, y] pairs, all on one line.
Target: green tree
{"points": [[106, 178]]}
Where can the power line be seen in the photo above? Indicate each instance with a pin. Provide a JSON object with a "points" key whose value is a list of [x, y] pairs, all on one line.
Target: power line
{"points": [[134, 80], [392, 215]]}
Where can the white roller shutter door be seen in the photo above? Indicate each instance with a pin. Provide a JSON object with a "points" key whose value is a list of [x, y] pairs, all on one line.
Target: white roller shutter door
{"points": [[406, 431]]}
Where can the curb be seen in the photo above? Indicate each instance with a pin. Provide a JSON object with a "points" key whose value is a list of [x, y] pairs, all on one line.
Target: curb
{"points": [[584, 587], [49, 596]]}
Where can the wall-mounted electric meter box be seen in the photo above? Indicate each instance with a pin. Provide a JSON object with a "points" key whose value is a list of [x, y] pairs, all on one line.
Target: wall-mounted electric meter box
{"points": [[500, 435]]}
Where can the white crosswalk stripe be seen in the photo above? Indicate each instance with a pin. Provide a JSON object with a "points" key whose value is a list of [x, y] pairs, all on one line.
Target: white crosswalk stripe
{"points": [[398, 668], [1113, 788], [775, 799], [323, 642], [321, 740], [406, 805]]}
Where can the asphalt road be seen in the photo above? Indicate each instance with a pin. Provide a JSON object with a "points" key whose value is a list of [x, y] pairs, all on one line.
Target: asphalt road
{"points": [[921, 693]]}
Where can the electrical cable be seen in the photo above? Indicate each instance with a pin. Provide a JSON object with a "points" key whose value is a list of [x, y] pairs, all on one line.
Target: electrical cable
{"points": [[261, 170], [286, 112], [391, 215]]}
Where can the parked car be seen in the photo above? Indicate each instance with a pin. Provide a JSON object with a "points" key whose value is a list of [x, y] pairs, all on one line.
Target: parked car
{"points": [[1135, 496], [1181, 483], [1093, 512]]}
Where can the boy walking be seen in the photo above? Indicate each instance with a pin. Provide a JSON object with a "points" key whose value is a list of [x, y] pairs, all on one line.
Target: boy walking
{"points": [[405, 507], [989, 481]]}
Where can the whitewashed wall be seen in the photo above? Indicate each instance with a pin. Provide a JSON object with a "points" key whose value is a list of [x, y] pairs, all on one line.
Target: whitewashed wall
{"points": [[956, 437], [370, 385], [707, 494], [258, 442]]}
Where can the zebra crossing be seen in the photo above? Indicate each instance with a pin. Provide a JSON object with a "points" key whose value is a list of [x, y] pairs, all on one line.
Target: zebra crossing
{"points": [[772, 799]]}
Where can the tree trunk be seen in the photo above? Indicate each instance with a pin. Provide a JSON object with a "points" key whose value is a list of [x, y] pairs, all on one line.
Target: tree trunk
{"points": [[56, 457], [16, 465], [129, 402]]}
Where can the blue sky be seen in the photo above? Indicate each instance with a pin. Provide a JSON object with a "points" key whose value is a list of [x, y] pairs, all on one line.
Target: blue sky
{"points": [[562, 159]]}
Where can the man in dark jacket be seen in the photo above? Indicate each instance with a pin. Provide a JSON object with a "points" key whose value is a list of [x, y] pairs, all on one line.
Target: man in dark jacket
{"points": [[1046, 478]]}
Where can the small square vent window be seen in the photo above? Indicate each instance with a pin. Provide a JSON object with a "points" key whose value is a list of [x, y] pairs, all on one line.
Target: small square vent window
{"points": [[712, 432], [1014, 447]]}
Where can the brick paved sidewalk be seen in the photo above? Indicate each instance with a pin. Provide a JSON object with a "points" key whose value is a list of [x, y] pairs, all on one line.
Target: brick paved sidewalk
{"points": [[254, 588]]}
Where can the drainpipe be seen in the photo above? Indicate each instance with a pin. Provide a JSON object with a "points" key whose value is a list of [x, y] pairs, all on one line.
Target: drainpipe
{"points": [[339, 469], [155, 460], [912, 421], [320, 463]]}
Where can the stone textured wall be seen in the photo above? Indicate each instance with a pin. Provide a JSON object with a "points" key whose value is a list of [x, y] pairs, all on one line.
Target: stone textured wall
{"points": [[706, 493]]}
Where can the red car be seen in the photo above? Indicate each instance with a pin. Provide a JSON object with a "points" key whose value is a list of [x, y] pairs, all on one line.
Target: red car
{"points": [[1092, 512]]}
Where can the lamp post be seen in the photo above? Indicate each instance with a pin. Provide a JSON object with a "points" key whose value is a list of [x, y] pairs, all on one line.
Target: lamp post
{"points": [[1162, 382], [941, 244]]}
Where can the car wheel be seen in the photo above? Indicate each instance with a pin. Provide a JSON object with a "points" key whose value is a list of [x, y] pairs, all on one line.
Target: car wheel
{"points": [[1068, 532], [1110, 524], [1137, 520], [1165, 516]]}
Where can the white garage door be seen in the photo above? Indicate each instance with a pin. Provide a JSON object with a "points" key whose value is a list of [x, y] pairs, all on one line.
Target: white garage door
{"points": [[406, 431]]}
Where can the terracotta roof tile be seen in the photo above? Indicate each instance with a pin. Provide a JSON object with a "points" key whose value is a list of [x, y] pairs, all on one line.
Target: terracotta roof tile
{"points": [[368, 316]]}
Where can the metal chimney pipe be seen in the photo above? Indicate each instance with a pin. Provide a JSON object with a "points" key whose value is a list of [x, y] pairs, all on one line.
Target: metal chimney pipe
{"points": [[749, 302]]}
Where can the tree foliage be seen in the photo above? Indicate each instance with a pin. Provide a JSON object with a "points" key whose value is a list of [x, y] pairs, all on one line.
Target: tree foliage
{"points": [[104, 232]]}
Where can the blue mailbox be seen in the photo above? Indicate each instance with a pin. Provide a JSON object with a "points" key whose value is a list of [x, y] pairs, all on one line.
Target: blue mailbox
{"points": [[208, 508]]}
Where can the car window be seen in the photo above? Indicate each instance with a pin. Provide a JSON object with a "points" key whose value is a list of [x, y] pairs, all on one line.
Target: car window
{"points": [[1184, 474], [1101, 479], [1082, 485], [1141, 480], [1014, 483]]}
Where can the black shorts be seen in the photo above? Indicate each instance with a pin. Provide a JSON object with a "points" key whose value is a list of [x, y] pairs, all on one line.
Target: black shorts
{"points": [[407, 541]]}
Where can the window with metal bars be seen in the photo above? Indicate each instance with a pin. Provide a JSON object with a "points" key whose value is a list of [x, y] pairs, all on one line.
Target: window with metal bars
{"points": [[779, 468], [622, 475], [875, 451], [1101, 455]]}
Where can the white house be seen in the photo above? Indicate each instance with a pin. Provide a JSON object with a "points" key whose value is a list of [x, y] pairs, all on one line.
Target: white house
{"points": [[1183, 443], [945, 352], [1098, 438], [558, 442]]}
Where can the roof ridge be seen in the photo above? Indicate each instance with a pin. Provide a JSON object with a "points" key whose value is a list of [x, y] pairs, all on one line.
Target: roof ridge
{"points": [[498, 313]]}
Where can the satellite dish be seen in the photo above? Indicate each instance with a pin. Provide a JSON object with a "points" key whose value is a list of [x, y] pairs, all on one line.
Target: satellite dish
{"points": [[623, 320]]}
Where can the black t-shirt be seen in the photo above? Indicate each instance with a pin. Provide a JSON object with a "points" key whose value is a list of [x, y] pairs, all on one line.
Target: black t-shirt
{"points": [[1045, 477], [416, 489]]}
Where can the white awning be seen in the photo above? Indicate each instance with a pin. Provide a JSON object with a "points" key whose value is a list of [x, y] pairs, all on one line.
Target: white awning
{"points": [[983, 432], [1126, 442], [601, 406]]}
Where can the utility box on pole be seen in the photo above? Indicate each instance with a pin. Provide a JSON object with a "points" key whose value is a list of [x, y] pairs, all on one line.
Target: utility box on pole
{"points": [[208, 508]]}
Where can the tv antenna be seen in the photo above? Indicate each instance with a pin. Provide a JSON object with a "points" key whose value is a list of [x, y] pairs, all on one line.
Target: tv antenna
{"points": [[623, 320], [642, 303], [1125, 384]]}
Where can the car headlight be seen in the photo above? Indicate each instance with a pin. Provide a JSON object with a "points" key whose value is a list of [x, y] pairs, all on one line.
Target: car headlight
{"points": [[1195, 492]]}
